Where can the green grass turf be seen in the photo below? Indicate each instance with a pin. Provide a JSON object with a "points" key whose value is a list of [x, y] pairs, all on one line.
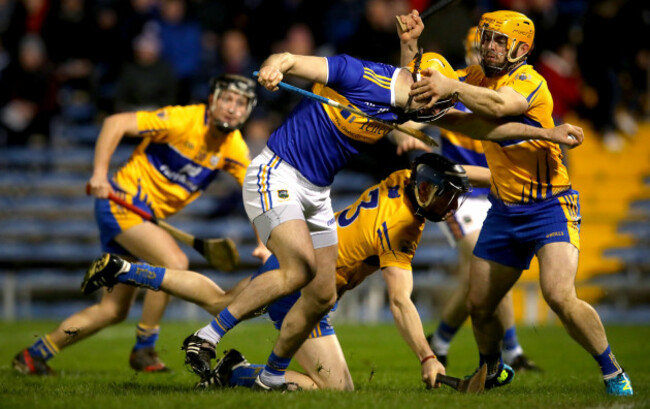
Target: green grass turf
{"points": [[95, 372]]}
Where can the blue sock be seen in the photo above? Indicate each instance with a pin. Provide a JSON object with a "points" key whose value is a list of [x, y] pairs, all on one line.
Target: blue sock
{"points": [[43, 348], [245, 375], [143, 275], [223, 322], [274, 370], [494, 363], [510, 341], [608, 364], [146, 336], [446, 332]]}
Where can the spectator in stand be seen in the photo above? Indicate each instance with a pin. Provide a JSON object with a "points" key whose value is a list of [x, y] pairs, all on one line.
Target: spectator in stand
{"points": [[134, 19], [148, 81], [375, 37], [27, 16], [181, 44], [601, 27], [560, 69], [107, 57], [27, 94], [67, 34], [235, 54]]}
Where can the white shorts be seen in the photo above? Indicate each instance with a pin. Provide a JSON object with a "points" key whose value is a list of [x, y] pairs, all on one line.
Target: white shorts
{"points": [[275, 192], [467, 219]]}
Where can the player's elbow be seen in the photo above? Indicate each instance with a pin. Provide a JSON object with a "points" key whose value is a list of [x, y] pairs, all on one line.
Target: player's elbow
{"points": [[498, 110], [398, 302]]}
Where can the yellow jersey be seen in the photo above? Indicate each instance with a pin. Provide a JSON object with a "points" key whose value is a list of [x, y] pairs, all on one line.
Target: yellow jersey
{"points": [[523, 171], [378, 230], [178, 158]]}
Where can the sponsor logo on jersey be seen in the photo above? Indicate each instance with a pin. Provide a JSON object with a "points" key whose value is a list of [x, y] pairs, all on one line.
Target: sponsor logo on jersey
{"points": [[555, 234]]}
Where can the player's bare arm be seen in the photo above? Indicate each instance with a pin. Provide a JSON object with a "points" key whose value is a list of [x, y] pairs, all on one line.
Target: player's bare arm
{"points": [[399, 283], [405, 142], [480, 128], [483, 101], [479, 176], [277, 65], [115, 127], [409, 37]]}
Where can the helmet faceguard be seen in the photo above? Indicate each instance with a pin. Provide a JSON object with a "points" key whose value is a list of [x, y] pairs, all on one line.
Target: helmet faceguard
{"points": [[237, 84], [436, 62], [437, 186], [517, 30]]}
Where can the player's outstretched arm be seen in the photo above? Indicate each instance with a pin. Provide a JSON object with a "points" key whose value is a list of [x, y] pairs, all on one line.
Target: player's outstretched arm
{"points": [[110, 135], [479, 176], [400, 286], [277, 65], [500, 103], [479, 128]]}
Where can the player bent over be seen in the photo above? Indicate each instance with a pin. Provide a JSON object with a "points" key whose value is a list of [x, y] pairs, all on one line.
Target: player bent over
{"points": [[381, 230]]}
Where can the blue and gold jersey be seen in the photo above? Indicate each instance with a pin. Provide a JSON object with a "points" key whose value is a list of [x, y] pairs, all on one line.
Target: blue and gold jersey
{"points": [[523, 171], [178, 159], [318, 139], [378, 230]]}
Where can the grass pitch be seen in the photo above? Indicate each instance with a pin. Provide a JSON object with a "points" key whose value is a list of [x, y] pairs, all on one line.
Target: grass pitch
{"points": [[95, 372]]}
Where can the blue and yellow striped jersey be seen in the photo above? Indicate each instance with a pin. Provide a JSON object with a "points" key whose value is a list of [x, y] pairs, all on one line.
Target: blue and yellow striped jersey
{"points": [[378, 230], [318, 139], [178, 159], [523, 171]]}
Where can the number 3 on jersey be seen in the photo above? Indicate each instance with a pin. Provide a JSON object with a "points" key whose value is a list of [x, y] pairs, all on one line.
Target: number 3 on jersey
{"points": [[370, 203]]}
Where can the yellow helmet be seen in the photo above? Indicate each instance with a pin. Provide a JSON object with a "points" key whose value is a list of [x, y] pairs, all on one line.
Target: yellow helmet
{"points": [[434, 61], [471, 45], [438, 63], [516, 27]]}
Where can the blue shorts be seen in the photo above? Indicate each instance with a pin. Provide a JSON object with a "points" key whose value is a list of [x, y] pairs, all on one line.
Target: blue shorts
{"points": [[512, 234], [112, 219], [278, 309]]}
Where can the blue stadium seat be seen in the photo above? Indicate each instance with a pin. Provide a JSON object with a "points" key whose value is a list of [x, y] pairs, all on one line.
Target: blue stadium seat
{"points": [[635, 256]]}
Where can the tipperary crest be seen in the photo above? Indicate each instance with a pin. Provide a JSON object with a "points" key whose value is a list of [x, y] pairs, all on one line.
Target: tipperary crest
{"points": [[214, 161], [283, 194]]}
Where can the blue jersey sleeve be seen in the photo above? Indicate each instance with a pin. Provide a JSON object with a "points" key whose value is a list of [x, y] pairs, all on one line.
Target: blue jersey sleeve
{"points": [[362, 80]]}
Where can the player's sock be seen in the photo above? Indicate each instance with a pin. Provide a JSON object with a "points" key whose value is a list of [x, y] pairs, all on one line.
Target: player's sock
{"points": [[218, 327], [143, 275], [146, 336], [44, 348], [274, 370], [494, 364], [245, 375], [608, 365], [511, 348], [442, 338]]}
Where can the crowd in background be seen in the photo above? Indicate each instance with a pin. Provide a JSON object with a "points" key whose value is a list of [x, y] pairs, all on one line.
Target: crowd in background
{"points": [[76, 61]]}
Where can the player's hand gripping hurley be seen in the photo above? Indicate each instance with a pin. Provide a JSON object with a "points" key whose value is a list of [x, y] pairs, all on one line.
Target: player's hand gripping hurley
{"points": [[221, 253], [416, 133], [474, 384]]}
